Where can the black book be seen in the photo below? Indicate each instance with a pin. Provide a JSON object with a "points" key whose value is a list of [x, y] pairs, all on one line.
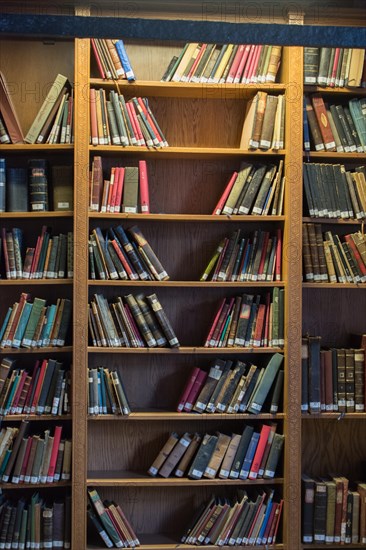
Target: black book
{"points": [[314, 374], [311, 65], [304, 375], [340, 128], [352, 127], [52, 387], [308, 509], [202, 457], [226, 372], [51, 365], [244, 404], [252, 190], [10, 533], [38, 185], [17, 190], [18, 521], [99, 527], [308, 191], [133, 257], [241, 452], [320, 512]]}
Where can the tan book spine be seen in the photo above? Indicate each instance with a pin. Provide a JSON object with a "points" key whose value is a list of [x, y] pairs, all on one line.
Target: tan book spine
{"points": [[66, 464], [268, 122], [163, 454], [217, 456], [176, 454], [274, 63], [188, 455], [258, 120], [229, 456]]}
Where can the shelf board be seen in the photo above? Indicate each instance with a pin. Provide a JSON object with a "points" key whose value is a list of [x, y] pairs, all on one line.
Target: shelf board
{"points": [[335, 285], [201, 90], [333, 545], [137, 479], [168, 415], [332, 221], [35, 417], [13, 351], [188, 284], [185, 152], [184, 349], [334, 415], [30, 147], [48, 214], [12, 282], [34, 486], [339, 91], [168, 542], [186, 217], [334, 155]]}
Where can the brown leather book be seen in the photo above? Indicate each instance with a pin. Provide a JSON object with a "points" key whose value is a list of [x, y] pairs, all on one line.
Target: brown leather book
{"points": [[360, 369], [217, 456], [314, 251], [314, 126], [8, 113], [258, 121], [328, 379], [361, 488], [321, 254], [17, 443], [350, 380], [268, 122], [341, 379], [323, 122], [229, 456], [163, 454], [179, 449], [188, 455]]}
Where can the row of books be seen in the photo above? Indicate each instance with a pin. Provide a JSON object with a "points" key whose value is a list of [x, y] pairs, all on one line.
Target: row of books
{"points": [[249, 321], [234, 388], [332, 379], [331, 191], [131, 321], [124, 255], [335, 67], [115, 121], [112, 59], [33, 522], [53, 122], [232, 63], [264, 123], [106, 392], [33, 324], [34, 459], [334, 127], [36, 188], [328, 259], [46, 390], [254, 189], [125, 190], [50, 258], [334, 510], [252, 455], [238, 258], [240, 521]]}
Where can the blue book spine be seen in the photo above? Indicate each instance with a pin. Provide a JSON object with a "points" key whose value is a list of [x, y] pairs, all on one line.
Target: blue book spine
{"points": [[245, 469], [306, 129], [48, 326], [102, 393], [5, 323], [2, 186], [100, 398], [19, 333], [265, 520], [122, 54]]}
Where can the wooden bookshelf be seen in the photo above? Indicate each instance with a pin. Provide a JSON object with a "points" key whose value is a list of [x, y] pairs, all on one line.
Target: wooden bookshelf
{"points": [[203, 126]]}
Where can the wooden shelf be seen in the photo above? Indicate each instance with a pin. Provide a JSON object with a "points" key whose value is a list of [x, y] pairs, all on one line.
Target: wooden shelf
{"points": [[334, 155], [338, 91], [166, 542], [12, 351], [34, 486], [336, 221], [167, 415], [200, 90], [189, 284], [335, 285], [35, 417], [183, 152], [185, 217], [334, 416], [185, 349], [133, 479], [332, 546], [30, 147], [12, 282], [48, 214]]}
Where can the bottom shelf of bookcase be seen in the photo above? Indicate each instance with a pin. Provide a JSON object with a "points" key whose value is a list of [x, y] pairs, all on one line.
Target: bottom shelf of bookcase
{"points": [[166, 542]]}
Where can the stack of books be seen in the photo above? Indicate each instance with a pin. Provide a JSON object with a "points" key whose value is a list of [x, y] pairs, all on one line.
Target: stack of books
{"points": [[126, 189], [23, 190], [249, 321], [106, 393], [34, 459], [331, 191], [230, 63], [33, 522], [53, 123], [110, 522], [264, 123], [123, 255], [35, 325], [119, 122], [327, 258], [47, 390], [334, 509], [340, 127], [256, 190], [252, 455], [51, 258], [335, 67], [241, 521], [134, 321], [237, 258], [333, 379], [112, 59], [234, 388]]}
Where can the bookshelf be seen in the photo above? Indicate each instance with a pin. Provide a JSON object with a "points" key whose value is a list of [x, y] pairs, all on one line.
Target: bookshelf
{"points": [[113, 453]]}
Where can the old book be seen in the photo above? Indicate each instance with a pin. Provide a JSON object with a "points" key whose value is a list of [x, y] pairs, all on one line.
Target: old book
{"points": [[229, 456], [214, 375], [217, 456], [163, 454], [314, 126], [202, 458], [163, 320], [241, 452], [270, 372], [311, 63], [176, 454], [273, 456], [268, 122], [99, 508], [8, 113], [187, 457], [17, 190]]}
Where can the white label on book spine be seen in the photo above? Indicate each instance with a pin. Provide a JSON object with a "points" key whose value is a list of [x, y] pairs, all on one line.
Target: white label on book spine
{"points": [[269, 473], [179, 473], [256, 407], [319, 537], [153, 470], [210, 471], [307, 539], [34, 479], [319, 147], [63, 205], [197, 473], [200, 405], [234, 475], [224, 473]]}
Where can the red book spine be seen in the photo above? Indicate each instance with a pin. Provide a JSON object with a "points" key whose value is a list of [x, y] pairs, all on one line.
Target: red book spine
{"points": [[252, 77], [263, 256], [269, 522], [278, 255], [111, 191], [248, 64], [135, 124], [196, 388], [93, 117], [23, 298], [120, 174], [18, 392], [243, 61], [27, 403], [144, 188], [236, 62], [268, 314], [334, 68], [277, 521], [150, 120], [6, 257], [39, 385], [132, 275], [25, 459], [356, 254], [213, 326], [97, 58], [254, 469], [53, 460], [116, 526], [220, 205], [259, 326], [187, 389], [196, 61]]}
